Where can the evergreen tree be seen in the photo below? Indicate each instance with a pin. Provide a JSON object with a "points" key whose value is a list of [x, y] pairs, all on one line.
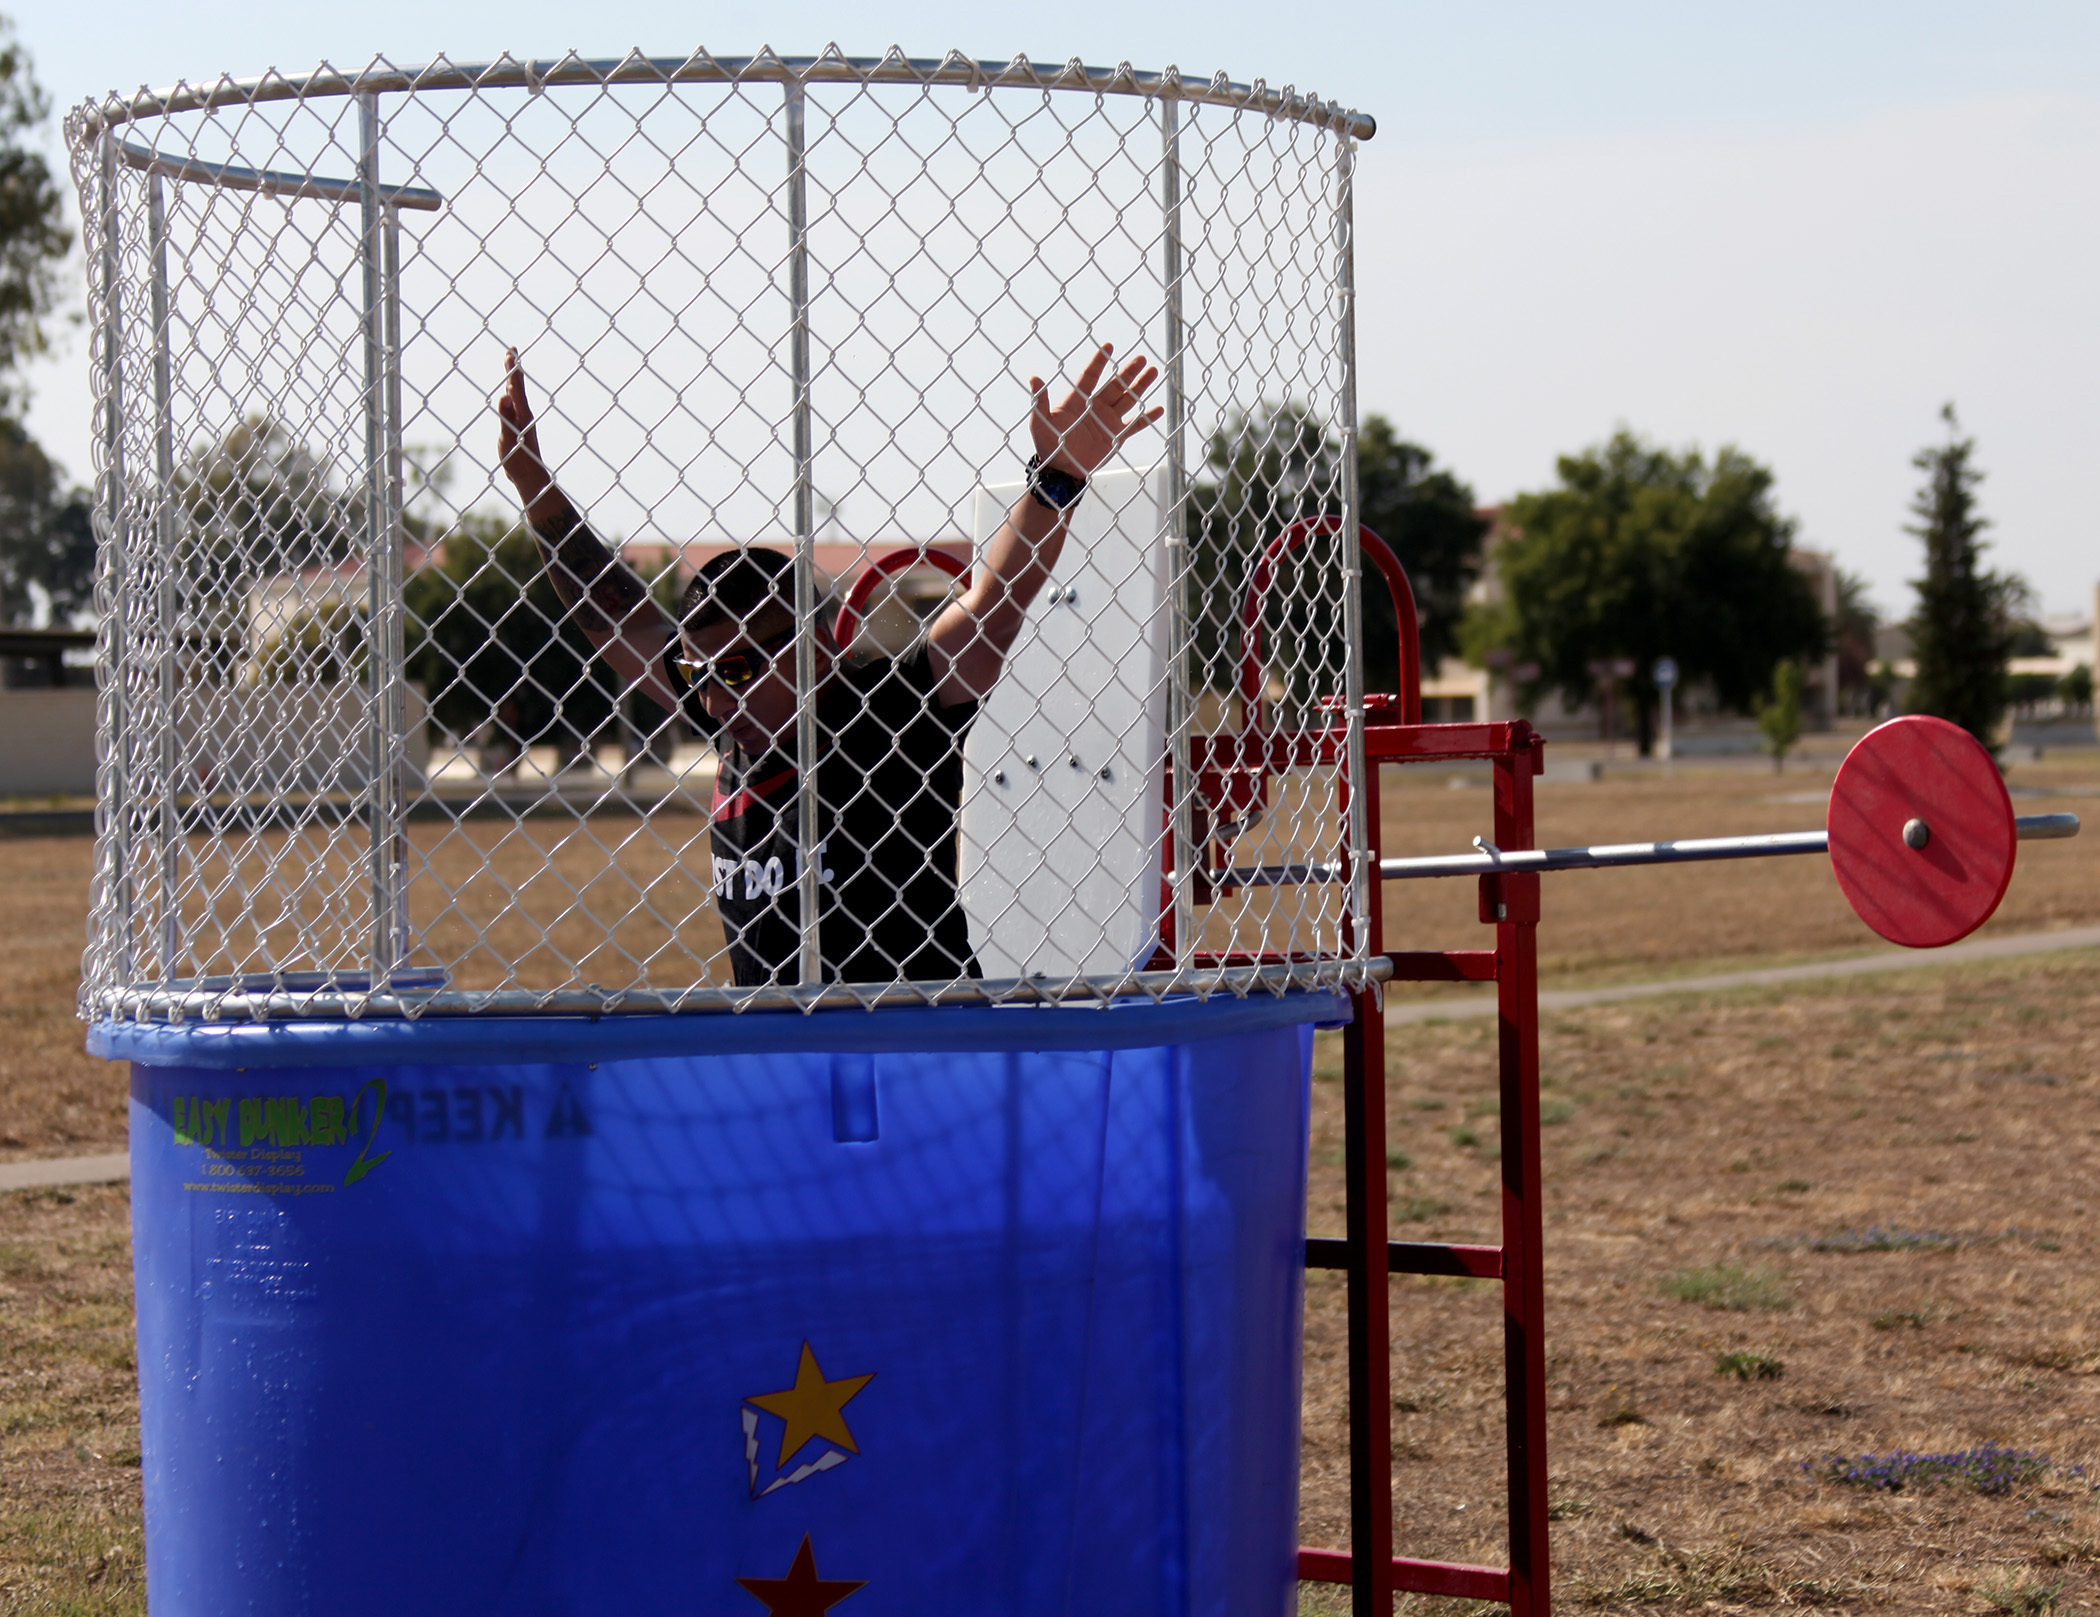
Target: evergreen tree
{"points": [[33, 233], [1270, 467], [492, 644], [1430, 518], [1644, 552], [1265, 469], [1779, 720], [1967, 617], [45, 542], [260, 502]]}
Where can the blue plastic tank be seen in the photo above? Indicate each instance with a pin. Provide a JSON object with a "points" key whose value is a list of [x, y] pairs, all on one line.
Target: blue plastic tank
{"points": [[971, 1311]]}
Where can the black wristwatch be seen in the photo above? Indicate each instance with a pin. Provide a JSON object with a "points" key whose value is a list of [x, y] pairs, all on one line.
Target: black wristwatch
{"points": [[1053, 490]]}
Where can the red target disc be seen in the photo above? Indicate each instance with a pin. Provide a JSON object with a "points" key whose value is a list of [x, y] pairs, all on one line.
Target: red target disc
{"points": [[1922, 837]]}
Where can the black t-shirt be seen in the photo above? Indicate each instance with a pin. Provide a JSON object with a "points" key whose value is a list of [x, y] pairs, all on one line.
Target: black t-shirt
{"points": [[889, 785]]}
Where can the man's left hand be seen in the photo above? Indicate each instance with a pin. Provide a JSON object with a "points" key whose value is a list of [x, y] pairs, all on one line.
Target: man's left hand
{"points": [[1103, 410]]}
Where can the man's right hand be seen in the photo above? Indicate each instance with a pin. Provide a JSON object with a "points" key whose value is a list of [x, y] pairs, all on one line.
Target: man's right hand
{"points": [[518, 440]]}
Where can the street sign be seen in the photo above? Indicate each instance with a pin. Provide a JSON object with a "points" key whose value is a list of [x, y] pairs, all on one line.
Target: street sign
{"points": [[1664, 673]]}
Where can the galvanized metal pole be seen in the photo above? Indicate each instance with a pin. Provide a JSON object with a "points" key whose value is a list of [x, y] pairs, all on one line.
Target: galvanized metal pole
{"points": [[808, 826], [394, 612], [1180, 698], [1361, 858], [167, 633], [115, 566], [379, 807], [1370, 1372]]}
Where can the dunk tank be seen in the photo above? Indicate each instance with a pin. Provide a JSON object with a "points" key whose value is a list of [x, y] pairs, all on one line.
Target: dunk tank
{"points": [[497, 1250]]}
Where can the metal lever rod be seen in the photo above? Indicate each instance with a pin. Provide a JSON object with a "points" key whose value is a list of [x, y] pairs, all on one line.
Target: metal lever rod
{"points": [[1604, 856]]}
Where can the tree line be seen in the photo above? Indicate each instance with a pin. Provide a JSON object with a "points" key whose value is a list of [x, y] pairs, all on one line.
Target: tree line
{"points": [[47, 544], [1636, 552]]}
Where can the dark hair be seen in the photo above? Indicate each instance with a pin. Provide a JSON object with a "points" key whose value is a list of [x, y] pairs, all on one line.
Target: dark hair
{"points": [[738, 585]]}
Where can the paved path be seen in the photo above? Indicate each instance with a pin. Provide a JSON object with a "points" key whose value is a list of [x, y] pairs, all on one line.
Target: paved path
{"points": [[65, 1171], [108, 1169]]}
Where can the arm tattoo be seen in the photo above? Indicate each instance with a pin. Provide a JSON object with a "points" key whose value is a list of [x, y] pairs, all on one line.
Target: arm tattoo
{"points": [[600, 590]]}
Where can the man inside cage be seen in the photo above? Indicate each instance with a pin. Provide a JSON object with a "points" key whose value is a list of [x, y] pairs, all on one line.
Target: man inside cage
{"points": [[890, 730]]}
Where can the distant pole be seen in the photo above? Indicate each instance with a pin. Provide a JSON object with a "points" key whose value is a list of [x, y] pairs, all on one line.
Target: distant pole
{"points": [[1664, 673], [1608, 671]]}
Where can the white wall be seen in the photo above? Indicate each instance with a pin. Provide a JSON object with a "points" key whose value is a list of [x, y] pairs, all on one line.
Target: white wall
{"points": [[47, 742], [292, 740]]}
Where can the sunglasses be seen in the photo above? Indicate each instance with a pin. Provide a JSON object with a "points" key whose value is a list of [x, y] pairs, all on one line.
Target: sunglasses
{"points": [[733, 670]]}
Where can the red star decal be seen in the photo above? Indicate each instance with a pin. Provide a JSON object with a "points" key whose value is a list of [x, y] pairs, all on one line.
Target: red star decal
{"points": [[801, 1593]]}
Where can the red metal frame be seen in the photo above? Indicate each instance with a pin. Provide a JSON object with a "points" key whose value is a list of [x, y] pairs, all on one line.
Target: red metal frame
{"points": [[1232, 775], [1510, 903], [887, 565], [1381, 556]]}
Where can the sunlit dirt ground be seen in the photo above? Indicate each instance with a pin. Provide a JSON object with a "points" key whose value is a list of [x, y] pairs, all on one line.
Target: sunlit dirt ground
{"points": [[1878, 1191]]}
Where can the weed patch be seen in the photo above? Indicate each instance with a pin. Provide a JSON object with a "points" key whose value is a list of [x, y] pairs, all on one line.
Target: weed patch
{"points": [[1886, 1238], [1989, 1469], [1749, 1366], [1730, 1287], [2018, 1595]]}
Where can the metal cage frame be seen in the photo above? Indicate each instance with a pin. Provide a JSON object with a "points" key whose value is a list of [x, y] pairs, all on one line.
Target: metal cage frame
{"points": [[134, 947]]}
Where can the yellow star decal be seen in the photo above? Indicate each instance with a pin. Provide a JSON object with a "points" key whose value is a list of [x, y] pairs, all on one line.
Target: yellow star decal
{"points": [[812, 1407]]}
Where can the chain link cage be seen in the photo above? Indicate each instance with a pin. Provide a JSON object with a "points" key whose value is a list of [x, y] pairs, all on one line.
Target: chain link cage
{"points": [[372, 743]]}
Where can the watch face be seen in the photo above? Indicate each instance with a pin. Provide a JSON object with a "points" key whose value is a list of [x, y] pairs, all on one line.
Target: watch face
{"points": [[1060, 488]]}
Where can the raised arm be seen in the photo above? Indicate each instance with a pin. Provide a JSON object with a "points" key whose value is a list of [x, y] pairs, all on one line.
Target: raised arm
{"points": [[970, 639], [604, 598]]}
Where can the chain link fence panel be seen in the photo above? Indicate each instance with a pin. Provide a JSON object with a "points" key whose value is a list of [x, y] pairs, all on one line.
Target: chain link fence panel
{"points": [[373, 743]]}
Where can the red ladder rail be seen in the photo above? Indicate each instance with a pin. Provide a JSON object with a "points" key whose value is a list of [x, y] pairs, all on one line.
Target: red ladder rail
{"points": [[1509, 902], [1232, 772]]}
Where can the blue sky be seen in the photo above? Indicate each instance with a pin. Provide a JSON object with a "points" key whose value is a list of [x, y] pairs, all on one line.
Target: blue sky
{"points": [[1796, 228]]}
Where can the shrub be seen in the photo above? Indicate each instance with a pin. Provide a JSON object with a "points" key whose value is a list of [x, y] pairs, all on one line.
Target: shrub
{"points": [[1748, 1366]]}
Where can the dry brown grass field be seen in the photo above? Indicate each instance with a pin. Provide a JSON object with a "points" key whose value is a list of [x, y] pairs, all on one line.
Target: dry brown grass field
{"points": [[1714, 1165], [1882, 1187]]}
